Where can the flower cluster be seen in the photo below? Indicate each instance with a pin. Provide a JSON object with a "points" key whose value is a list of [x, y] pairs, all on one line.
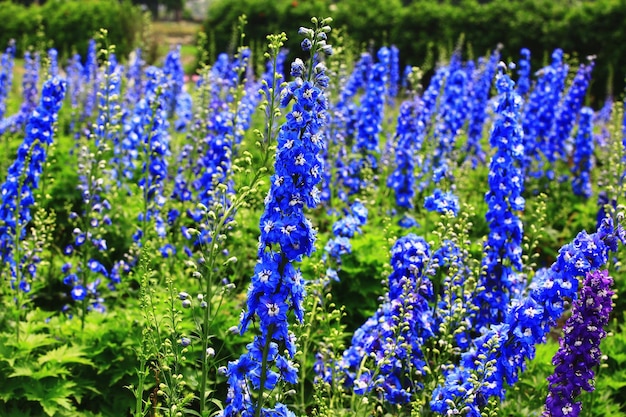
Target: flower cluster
{"points": [[583, 154], [17, 121], [531, 318], [499, 354], [503, 251], [479, 95], [394, 72], [442, 202], [369, 126], [344, 229], [134, 74], [523, 70], [174, 75], [286, 235], [567, 111], [151, 127], [6, 75], [539, 112], [23, 179], [410, 133], [454, 111], [579, 348], [395, 334]]}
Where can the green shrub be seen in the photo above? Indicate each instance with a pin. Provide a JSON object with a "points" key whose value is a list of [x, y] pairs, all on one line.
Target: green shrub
{"points": [[68, 25]]}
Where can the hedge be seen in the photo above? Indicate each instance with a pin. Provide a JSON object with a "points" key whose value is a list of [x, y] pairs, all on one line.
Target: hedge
{"points": [[69, 24], [580, 28]]}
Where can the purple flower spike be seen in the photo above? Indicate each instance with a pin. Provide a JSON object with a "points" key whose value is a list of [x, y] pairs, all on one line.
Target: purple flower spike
{"points": [[579, 348]]}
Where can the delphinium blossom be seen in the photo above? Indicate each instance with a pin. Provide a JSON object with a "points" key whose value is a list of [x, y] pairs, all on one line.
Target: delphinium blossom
{"points": [[565, 117], [602, 119], [17, 121], [342, 129], [174, 79], [579, 347], [277, 287], [134, 78], [369, 125], [523, 70], [529, 319], [394, 336], [410, 133], [583, 154], [85, 270], [503, 250], [53, 62], [344, 229], [430, 98], [6, 75], [479, 96], [394, 73], [214, 163], [23, 179], [90, 81], [539, 114], [450, 119], [154, 143], [414, 121], [442, 202]]}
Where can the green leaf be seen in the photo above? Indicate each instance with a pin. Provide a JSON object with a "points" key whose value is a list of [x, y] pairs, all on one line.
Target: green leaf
{"points": [[32, 341], [40, 372], [65, 354], [53, 395]]}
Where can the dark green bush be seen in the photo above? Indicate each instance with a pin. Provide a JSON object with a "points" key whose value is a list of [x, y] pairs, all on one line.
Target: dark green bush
{"points": [[579, 28], [68, 25]]}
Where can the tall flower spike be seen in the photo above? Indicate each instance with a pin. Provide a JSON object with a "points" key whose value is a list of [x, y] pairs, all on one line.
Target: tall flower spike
{"points": [[503, 250], [286, 235], [539, 114], [560, 139], [369, 123], [583, 154], [6, 75], [479, 96], [523, 70], [579, 348], [394, 336], [17, 121], [24, 174]]}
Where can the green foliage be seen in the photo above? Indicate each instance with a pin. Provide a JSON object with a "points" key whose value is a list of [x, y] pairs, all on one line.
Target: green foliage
{"points": [[64, 374], [68, 25]]}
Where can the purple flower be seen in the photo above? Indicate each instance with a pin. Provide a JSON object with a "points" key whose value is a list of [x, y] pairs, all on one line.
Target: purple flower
{"points": [[579, 348]]}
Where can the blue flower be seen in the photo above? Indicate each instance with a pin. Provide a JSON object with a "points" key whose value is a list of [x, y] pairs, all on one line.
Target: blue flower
{"points": [[398, 329], [503, 247], [23, 178], [442, 202], [523, 70], [583, 155], [286, 236], [6, 75]]}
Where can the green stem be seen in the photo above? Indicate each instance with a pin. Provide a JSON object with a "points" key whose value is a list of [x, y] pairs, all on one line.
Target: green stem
{"points": [[266, 351]]}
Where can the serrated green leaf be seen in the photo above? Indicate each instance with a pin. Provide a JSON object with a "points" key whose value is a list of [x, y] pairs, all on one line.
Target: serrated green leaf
{"points": [[32, 341], [65, 354], [53, 395], [40, 372]]}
